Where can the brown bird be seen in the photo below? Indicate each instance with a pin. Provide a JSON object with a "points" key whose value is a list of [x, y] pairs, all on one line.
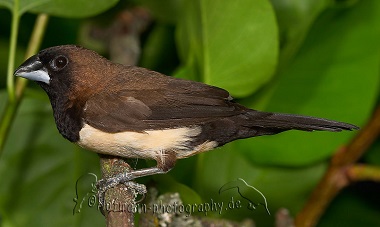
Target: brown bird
{"points": [[132, 112]]}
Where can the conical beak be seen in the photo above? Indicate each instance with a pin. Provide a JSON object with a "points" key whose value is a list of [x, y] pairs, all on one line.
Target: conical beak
{"points": [[33, 69]]}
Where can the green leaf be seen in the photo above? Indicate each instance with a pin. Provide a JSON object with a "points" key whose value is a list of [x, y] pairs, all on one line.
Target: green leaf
{"points": [[62, 8], [280, 186], [335, 75], [166, 11], [6, 3], [294, 19], [233, 44], [71, 8]]}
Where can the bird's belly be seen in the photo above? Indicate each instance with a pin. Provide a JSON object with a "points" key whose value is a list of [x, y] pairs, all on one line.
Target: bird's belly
{"points": [[148, 144]]}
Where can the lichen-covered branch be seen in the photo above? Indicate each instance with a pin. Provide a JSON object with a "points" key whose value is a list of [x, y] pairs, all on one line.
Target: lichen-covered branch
{"points": [[119, 198]]}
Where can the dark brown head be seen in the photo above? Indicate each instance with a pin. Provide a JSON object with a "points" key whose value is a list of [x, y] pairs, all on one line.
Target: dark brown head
{"points": [[66, 70]]}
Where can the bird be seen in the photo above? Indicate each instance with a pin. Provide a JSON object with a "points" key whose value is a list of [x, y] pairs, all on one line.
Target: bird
{"points": [[133, 112]]}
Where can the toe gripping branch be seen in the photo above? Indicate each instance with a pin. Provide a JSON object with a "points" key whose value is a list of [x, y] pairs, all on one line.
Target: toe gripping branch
{"points": [[116, 171], [105, 184]]}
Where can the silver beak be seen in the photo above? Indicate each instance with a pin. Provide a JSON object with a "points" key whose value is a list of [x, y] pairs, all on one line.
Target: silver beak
{"points": [[33, 69]]}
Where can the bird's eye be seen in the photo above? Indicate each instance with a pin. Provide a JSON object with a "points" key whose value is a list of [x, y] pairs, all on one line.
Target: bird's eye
{"points": [[59, 62]]}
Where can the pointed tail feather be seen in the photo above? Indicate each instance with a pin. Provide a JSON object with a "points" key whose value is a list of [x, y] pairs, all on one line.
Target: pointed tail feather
{"points": [[284, 122], [255, 123]]}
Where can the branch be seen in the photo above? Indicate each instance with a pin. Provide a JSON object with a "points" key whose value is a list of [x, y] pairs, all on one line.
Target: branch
{"points": [[118, 200], [362, 172], [339, 173]]}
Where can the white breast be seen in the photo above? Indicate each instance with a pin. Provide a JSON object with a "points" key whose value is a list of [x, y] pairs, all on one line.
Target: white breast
{"points": [[147, 144]]}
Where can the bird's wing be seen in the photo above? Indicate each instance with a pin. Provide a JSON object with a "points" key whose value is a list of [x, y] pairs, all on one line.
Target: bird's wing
{"points": [[175, 103]]}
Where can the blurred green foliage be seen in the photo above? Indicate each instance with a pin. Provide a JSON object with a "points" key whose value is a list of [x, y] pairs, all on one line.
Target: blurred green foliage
{"points": [[312, 57]]}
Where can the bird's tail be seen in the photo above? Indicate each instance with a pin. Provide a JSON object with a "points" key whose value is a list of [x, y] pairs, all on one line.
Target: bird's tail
{"points": [[253, 123], [272, 123]]}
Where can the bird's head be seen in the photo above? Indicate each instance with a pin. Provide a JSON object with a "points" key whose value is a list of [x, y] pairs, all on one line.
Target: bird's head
{"points": [[65, 69]]}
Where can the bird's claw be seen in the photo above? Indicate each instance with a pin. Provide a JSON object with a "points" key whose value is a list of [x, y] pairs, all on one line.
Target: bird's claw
{"points": [[104, 184]]}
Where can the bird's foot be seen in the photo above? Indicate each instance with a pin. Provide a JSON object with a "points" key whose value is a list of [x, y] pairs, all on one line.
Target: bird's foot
{"points": [[104, 184], [125, 178]]}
